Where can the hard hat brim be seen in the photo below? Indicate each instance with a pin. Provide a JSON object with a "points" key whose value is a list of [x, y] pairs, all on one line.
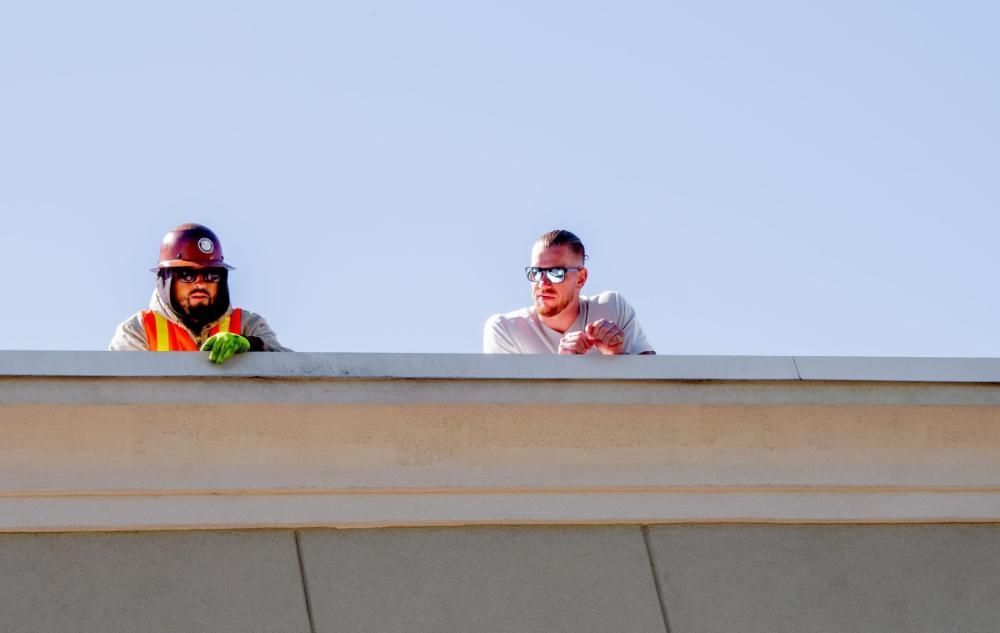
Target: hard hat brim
{"points": [[183, 263]]}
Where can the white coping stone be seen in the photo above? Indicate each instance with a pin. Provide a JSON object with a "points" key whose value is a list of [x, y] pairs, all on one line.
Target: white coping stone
{"points": [[434, 366], [982, 370], [500, 367]]}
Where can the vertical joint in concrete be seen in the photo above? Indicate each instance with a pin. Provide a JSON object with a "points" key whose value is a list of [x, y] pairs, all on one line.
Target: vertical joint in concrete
{"points": [[656, 578], [305, 583]]}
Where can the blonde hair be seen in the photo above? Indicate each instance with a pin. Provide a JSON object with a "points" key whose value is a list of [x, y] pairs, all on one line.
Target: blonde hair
{"points": [[561, 237]]}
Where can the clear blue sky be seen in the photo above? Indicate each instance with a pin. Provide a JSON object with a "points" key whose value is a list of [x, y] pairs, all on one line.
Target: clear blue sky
{"points": [[756, 178]]}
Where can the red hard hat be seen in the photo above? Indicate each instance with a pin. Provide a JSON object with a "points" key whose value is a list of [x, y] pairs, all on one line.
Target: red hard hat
{"points": [[191, 246]]}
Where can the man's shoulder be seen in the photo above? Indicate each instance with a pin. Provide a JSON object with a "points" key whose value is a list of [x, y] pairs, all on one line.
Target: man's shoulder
{"points": [[130, 335], [137, 322], [608, 297], [514, 316], [141, 315], [610, 305], [250, 319], [506, 333], [136, 317]]}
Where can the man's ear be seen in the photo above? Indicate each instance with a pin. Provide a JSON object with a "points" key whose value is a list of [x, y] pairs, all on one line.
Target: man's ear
{"points": [[581, 278]]}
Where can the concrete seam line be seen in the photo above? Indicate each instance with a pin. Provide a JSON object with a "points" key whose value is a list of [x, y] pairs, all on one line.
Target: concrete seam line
{"points": [[305, 584], [656, 578], [795, 365]]}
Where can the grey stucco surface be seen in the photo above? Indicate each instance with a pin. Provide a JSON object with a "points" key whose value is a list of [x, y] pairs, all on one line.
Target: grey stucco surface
{"points": [[243, 582], [815, 578], [713, 578], [511, 579]]}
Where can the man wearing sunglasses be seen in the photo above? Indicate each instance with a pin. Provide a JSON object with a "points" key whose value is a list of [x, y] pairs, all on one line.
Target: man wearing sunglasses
{"points": [[190, 309], [561, 320]]}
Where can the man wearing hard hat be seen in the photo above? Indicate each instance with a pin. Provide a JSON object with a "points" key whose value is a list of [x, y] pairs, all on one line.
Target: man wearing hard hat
{"points": [[190, 307]]}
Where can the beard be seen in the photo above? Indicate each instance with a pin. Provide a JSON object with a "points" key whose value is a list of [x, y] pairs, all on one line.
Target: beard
{"points": [[200, 312], [196, 316], [551, 310]]}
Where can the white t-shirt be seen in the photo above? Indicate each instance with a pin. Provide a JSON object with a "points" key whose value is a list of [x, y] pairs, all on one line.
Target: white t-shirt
{"points": [[522, 332]]}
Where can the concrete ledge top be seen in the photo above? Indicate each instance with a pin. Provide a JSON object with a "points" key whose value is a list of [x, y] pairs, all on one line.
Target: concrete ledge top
{"points": [[483, 367]]}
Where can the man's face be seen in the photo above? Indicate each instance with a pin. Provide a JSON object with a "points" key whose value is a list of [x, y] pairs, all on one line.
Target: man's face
{"points": [[192, 293], [551, 299]]}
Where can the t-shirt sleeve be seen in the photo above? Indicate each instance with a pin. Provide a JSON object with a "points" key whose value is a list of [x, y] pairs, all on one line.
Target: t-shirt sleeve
{"points": [[635, 338], [496, 337]]}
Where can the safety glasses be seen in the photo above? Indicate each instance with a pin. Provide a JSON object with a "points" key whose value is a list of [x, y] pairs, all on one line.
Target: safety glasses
{"points": [[555, 275]]}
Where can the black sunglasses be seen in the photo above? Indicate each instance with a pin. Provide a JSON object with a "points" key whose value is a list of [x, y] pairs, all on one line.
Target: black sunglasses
{"points": [[189, 276]]}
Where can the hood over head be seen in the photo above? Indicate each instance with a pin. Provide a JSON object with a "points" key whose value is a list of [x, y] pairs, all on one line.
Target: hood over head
{"points": [[162, 302]]}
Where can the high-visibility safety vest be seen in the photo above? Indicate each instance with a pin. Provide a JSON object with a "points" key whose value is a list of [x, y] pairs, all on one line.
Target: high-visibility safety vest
{"points": [[163, 335]]}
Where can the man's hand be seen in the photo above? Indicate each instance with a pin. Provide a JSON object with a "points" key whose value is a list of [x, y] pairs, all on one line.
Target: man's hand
{"points": [[575, 343], [224, 345], [606, 336]]}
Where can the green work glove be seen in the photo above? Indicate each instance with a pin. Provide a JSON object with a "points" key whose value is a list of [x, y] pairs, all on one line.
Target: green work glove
{"points": [[224, 345]]}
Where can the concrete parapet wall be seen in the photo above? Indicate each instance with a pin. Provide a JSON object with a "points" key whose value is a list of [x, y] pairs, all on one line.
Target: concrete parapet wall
{"points": [[761, 495], [104, 441]]}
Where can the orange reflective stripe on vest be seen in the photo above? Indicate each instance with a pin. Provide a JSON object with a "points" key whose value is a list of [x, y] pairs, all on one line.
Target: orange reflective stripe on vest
{"points": [[163, 335], [157, 331], [232, 322]]}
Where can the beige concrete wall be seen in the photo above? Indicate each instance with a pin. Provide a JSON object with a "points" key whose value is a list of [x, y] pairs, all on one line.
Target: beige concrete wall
{"points": [[92, 447]]}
